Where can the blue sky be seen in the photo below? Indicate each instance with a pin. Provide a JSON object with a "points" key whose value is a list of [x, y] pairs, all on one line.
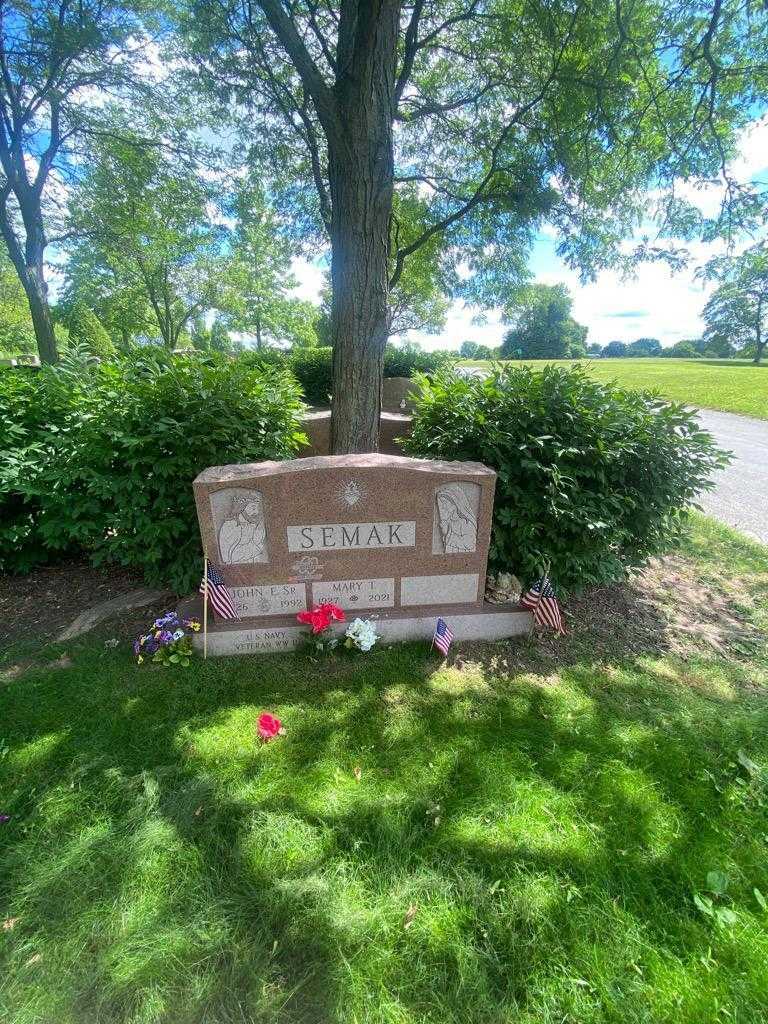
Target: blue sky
{"points": [[654, 303]]}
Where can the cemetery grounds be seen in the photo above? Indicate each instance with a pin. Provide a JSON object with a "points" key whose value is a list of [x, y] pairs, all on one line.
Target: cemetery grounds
{"points": [[730, 385], [544, 830]]}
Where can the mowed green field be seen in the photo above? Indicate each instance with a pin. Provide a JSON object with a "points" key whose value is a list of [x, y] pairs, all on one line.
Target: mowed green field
{"points": [[731, 385], [547, 831]]}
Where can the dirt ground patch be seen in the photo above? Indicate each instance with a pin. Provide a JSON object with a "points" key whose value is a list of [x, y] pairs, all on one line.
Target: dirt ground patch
{"points": [[36, 607], [666, 607]]}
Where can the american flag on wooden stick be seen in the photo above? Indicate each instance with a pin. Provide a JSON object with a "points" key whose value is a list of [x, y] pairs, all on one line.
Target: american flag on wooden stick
{"points": [[541, 600], [443, 637], [218, 594]]}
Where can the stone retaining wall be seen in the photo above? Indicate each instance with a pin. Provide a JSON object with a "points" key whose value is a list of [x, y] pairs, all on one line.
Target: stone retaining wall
{"points": [[317, 425]]}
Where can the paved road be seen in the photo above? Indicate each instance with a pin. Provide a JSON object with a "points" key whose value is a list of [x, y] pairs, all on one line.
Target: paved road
{"points": [[740, 497]]}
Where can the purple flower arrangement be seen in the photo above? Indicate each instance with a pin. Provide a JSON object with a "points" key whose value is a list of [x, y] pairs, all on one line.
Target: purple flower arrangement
{"points": [[167, 641]]}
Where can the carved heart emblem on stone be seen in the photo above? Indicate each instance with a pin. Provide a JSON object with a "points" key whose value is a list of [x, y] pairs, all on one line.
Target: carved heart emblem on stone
{"points": [[351, 493]]}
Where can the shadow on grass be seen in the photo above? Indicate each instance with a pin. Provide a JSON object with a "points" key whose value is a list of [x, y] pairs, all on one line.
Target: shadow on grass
{"points": [[163, 866]]}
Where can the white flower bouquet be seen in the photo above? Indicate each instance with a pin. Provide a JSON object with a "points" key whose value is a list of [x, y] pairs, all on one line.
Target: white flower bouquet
{"points": [[361, 634]]}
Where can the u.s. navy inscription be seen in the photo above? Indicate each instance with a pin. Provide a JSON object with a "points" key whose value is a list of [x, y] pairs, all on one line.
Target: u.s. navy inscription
{"points": [[352, 536]]}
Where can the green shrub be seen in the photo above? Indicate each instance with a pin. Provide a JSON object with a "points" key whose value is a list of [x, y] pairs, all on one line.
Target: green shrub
{"points": [[682, 350], [591, 477], [85, 329], [313, 367], [114, 476], [30, 412], [409, 360]]}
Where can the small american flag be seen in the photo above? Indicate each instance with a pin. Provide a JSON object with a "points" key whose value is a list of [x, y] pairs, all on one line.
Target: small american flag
{"points": [[541, 600], [443, 637], [218, 595]]}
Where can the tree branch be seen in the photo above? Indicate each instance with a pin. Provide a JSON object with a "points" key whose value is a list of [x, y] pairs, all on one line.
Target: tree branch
{"points": [[285, 30], [13, 245], [480, 195], [409, 54]]}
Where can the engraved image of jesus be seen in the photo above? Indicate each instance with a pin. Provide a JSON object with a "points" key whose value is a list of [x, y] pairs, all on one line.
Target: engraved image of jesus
{"points": [[243, 534], [456, 519]]}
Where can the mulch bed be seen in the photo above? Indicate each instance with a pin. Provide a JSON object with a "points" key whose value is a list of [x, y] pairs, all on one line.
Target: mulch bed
{"points": [[665, 607], [38, 606]]}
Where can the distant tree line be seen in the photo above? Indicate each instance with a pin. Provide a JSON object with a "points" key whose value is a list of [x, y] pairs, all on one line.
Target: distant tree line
{"points": [[693, 348], [735, 317]]}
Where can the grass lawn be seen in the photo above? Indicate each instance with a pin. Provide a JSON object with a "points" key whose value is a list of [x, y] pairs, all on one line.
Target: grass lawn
{"points": [[727, 384], [518, 835]]}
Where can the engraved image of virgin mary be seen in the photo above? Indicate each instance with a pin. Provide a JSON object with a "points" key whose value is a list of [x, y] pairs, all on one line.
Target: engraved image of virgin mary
{"points": [[242, 535], [457, 521]]}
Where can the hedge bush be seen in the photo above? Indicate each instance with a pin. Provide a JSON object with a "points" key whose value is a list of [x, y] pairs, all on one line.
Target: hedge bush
{"points": [[31, 412], [591, 477], [86, 329], [113, 474], [408, 360], [312, 367]]}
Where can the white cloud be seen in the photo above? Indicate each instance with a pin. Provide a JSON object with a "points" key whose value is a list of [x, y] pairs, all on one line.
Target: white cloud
{"points": [[310, 275], [753, 151], [654, 304], [459, 327]]}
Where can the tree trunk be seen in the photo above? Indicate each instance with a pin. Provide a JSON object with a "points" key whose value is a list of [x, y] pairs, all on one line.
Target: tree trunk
{"points": [[36, 292], [361, 177], [759, 341], [30, 267]]}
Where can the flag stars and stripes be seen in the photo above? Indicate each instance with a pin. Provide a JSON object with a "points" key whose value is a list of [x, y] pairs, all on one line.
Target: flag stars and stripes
{"points": [[218, 593], [540, 599], [443, 637]]}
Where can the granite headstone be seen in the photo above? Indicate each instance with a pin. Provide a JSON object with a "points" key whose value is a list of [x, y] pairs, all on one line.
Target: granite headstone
{"points": [[386, 537]]}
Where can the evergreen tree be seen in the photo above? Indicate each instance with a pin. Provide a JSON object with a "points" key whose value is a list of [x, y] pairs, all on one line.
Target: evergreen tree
{"points": [[85, 329], [544, 327]]}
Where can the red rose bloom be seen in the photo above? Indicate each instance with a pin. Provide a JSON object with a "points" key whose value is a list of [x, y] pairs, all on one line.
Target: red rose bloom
{"points": [[321, 616], [317, 619], [333, 611], [268, 726]]}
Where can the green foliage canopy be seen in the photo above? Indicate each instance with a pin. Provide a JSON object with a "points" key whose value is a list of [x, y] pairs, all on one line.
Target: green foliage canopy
{"points": [[17, 335], [543, 326], [737, 312], [143, 227], [507, 113], [644, 347], [60, 61]]}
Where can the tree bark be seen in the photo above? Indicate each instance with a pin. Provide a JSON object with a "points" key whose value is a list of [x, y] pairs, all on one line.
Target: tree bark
{"points": [[36, 291], [759, 341], [29, 264], [356, 115], [361, 175]]}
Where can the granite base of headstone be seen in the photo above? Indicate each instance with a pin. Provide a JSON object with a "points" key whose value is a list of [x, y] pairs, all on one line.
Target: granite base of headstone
{"points": [[400, 541]]}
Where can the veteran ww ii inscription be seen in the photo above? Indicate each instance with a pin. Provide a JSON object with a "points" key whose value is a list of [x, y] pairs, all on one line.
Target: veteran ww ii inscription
{"points": [[382, 536]]}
